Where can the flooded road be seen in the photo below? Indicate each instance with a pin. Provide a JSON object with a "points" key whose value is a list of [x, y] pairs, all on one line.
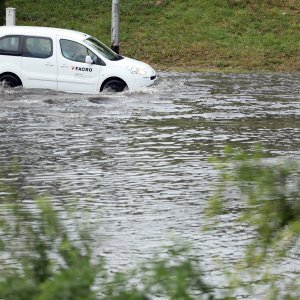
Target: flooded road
{"points": [[139, 160]]}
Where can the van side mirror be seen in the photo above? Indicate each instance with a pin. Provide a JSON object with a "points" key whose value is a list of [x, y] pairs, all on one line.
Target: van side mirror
{"points": [[88, 60]]}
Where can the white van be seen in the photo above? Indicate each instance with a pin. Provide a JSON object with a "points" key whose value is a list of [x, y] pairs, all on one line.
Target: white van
{"points": [[66, 60]]}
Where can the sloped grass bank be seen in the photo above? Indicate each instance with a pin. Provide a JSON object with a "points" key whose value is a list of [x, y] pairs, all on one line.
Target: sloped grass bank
{"points": [[192, 35]]}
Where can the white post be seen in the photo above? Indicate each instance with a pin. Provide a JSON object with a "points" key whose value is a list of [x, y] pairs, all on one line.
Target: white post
{"points": [[115, 25], [10, 16]]}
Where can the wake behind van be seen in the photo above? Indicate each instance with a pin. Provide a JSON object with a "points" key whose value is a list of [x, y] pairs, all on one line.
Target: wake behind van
{"points": [[66, 60]]}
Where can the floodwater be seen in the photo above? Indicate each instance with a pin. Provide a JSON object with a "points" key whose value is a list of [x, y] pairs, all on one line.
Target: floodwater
{"points": [[139, 160]]}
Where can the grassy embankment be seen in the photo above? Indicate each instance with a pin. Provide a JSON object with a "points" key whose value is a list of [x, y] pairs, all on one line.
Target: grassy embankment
{"points": [[191, 35]]}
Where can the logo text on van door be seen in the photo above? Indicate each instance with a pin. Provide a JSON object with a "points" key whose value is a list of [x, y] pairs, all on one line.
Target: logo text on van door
{"points": [[82, 69]]}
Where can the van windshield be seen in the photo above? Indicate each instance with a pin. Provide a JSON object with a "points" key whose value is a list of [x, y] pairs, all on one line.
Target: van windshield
{"points": [[103, 49]]}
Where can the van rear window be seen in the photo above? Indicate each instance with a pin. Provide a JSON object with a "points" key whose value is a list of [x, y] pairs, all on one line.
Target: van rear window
{"points": [[10, 45], [37, 47]]}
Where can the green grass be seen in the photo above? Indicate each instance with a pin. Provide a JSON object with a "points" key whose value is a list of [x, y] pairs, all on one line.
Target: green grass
{"points": [[226, 35]]}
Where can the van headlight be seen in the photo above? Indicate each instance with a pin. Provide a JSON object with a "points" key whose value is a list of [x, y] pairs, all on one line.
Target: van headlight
{"points": [[136, 70]]}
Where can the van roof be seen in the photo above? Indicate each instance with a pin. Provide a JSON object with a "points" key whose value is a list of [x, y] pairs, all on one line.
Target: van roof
{"points": [[42, 31]]}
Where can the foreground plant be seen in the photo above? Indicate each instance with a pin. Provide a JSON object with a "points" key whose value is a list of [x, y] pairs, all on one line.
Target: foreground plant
{"points": [[38, 258], [41, 258], [267, 195], [172, 274]]}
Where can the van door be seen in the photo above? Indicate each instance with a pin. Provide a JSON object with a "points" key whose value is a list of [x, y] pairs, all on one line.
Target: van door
{"points": [[74, 74], [39, 65]]}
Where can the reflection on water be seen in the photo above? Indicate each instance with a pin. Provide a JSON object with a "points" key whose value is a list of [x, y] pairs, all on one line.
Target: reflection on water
{"points": [[140, 159]]}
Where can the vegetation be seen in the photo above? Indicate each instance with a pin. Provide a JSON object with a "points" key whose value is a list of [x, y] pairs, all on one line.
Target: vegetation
{"points": [[43, 259], [267, 196], [2, 12], [191, 35]]}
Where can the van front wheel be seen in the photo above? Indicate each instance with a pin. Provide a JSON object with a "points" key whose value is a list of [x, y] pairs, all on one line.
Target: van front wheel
{"points": [[10, 80], [114, 86]]}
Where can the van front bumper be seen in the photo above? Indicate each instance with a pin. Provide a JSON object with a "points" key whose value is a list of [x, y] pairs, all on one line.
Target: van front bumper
{"points": [[139, 82]]}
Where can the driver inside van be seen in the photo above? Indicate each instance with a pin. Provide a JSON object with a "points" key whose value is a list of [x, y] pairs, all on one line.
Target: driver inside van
{"points": [[73, 51], [67, 50]]}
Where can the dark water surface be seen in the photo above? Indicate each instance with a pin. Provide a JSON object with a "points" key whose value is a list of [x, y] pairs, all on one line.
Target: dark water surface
{"points": [[139, 160]]}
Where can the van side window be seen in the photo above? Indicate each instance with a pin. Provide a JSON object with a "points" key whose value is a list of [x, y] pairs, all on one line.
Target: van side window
{"points": [[10, 45], [75, 51], [37, 47]]}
